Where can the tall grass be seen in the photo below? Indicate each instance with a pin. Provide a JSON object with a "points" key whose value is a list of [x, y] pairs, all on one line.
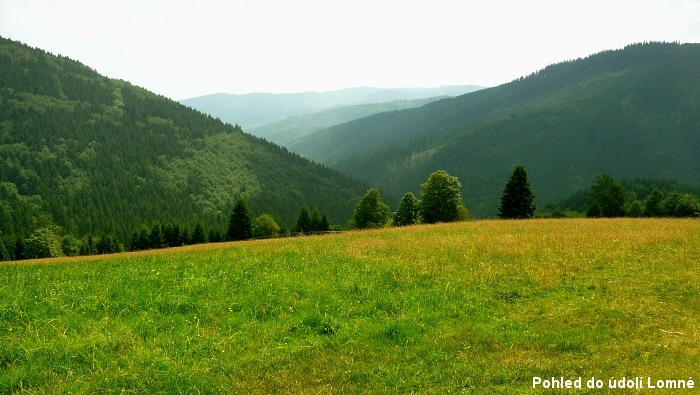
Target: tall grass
{"points": [[477, 307]]}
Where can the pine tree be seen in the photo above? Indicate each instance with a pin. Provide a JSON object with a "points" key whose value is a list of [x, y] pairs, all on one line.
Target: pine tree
{"points": [[240, 226], [517, 198]]}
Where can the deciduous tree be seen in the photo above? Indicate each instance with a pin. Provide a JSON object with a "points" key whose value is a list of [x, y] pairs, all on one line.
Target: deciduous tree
{"points": [[407, 212], [441, 198], [371, 211], [606, 198], [265, 226]]}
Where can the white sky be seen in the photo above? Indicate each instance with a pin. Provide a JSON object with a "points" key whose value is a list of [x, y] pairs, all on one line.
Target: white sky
{"points": [[183, 49]]}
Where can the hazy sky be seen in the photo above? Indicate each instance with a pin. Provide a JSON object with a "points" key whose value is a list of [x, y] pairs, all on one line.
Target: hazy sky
{"points": [[183, 49]]}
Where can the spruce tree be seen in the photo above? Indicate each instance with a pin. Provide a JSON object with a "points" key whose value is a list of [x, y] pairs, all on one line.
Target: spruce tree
{"points": [[4, 253], [198, 234], [240, 225], [325, 223], [303, 224], [517, 198]]}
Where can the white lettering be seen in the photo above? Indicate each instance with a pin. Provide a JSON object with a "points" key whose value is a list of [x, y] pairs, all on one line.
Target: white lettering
{"points": [[536, 381]]}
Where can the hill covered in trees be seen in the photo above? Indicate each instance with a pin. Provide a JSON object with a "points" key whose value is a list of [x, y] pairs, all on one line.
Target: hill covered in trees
{"points": [[94, 155], [631, 113], [291, 132]]}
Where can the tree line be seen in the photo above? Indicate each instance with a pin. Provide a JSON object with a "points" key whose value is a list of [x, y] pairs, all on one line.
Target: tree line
{"points": [[608, 198], [441, 201]]}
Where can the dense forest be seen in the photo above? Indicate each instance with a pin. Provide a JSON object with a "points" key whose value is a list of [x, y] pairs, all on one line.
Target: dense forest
{"points": [[632, 113], [89, 155]]}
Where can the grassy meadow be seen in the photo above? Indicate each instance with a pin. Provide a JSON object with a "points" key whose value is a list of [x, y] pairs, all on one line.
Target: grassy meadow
{"points": [[475, 307]]}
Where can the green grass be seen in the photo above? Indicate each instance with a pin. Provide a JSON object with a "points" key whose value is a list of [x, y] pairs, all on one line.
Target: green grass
{"points": [[477, 307]]}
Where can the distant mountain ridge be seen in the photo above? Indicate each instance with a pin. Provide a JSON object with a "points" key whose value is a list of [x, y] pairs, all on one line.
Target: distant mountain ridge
{"points": [[257, 109], [633, 112]]}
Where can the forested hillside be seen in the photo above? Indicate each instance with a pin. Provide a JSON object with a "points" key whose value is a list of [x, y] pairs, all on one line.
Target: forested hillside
{"points": [[292, 132], [95, 155], [632, 113]]}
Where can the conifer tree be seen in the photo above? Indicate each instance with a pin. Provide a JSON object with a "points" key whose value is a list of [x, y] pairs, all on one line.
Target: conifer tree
{"points": [[303, 224], [517, 198], [240, 226], [325, 224], [198, 234], [4, 253]]}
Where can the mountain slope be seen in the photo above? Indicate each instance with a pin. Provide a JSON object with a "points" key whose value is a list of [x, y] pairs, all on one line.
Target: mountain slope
{"points": [[257, 109], [293, 131], [632, 113], [103, 156]]}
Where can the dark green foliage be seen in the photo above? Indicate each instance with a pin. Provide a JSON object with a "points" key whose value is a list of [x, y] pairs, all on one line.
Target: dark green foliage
{"points": [[311, 221], [198, 234], [240, 225], [265, 226], [18, 252], [303, 221], [155, 238], [652, 204], [651, 192], [633, 207], [371, 211], [70, 246], [631, 113], [659, 198], [4, 252], [140, 239], [517, 199], [324, 224], [681, 205], [215, 236], [104, 157], [407, 212], [606, 198], [441, 198], [107, 244]]}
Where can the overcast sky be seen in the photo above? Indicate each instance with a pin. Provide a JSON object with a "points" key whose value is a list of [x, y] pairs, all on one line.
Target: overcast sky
{"points": [[183, 49]]}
